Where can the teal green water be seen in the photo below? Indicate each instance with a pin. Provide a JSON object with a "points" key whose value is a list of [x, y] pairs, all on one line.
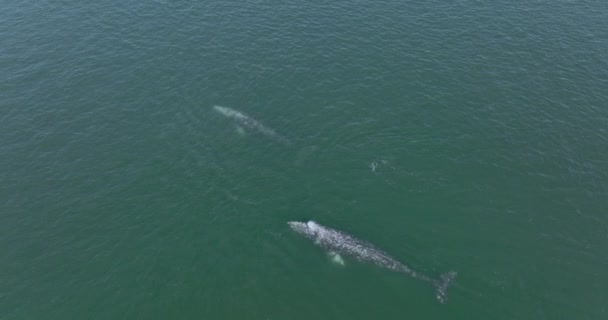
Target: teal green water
{"points": [[124, 195]]}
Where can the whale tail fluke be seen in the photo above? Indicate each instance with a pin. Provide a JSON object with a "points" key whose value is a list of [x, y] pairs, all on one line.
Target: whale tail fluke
{"points": [[442, 285]]}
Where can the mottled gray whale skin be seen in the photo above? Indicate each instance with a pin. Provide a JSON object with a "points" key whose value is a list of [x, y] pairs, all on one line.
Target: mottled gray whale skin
{"points": [[248, 122], [343, 243]]}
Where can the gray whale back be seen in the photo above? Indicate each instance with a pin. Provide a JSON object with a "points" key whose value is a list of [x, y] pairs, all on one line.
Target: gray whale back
{"points": [[250, 123], [346, 244]]}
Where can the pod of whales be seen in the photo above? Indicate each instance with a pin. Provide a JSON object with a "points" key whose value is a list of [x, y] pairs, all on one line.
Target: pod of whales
{"points": [[338, 242]]}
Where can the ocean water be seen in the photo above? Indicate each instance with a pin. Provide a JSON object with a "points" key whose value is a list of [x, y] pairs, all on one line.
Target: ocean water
{"points": [[455, 135]]}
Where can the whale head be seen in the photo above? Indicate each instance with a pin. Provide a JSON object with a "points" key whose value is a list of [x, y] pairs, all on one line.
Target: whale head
{"points": [[309, 229], [313, 226]]}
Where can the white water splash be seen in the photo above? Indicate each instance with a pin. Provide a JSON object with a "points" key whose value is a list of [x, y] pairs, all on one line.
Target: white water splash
{"points": [[374, 164]]}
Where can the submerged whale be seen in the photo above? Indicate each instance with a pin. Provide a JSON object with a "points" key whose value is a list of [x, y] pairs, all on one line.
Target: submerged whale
{"points": [[246, 121], [343, 243]]}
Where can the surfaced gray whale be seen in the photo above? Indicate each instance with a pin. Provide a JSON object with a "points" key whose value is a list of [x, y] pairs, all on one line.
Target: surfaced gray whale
{"points": [[249, 122], [343, 243]]}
